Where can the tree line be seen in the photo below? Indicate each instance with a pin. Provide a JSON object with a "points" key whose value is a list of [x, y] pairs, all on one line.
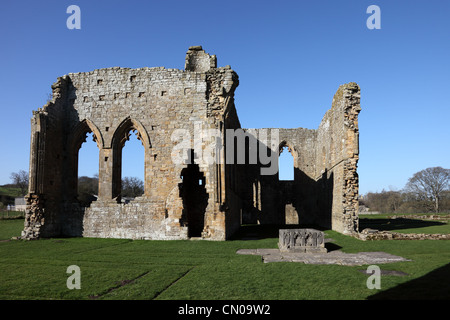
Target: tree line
{"points": [[132, 187], [87, 187], [426, 191]]}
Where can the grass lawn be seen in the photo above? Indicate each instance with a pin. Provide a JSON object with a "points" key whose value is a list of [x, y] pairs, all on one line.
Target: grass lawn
{"points": [[11, 214], [10, 228], [208, 270], [404, 224]]}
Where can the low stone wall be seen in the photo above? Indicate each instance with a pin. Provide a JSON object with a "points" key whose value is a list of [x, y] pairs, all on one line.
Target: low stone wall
{"points": [[422, 217], [135, 220], [371, 234]]}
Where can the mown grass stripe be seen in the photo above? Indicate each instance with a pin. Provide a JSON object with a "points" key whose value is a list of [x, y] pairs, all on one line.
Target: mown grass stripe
{"points": [[119, 285], [173, 283]]}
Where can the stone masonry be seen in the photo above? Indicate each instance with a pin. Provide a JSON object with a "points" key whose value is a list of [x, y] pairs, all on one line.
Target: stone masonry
{"points": [[191, 198], [302, 240]]}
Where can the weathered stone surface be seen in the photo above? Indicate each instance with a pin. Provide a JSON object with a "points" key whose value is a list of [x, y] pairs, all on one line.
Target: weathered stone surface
{"points": [[333, 257], [192, 198], [199, 61], [301, 240], [372, 234]]}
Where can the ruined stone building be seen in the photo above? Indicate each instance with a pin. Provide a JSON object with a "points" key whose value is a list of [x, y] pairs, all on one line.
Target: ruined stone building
{"points": [[188, 198]]}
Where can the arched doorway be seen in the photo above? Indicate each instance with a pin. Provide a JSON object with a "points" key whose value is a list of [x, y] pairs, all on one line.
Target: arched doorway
{"points": [[287, 184], [195, 199]]}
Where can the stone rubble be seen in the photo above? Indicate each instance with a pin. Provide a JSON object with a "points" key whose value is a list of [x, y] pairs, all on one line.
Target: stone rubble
{"points": [[372, 234]]}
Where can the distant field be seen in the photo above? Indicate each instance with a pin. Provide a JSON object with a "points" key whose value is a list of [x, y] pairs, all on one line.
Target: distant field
{"points": [[386, 215], [11, 214], [407, 223], [10, 191], [210, 270]]}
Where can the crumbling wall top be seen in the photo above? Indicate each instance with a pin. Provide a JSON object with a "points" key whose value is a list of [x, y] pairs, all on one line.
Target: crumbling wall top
{"points": [[198, 60]]}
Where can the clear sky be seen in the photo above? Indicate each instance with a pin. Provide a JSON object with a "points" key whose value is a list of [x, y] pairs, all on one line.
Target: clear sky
{"points": [[291, 57]]}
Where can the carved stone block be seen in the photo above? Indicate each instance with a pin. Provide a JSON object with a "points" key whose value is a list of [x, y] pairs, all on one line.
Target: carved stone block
{"points": [[301, 240]]}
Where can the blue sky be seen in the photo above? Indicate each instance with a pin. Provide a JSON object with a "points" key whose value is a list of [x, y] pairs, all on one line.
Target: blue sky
{"points": [[291, 56]]}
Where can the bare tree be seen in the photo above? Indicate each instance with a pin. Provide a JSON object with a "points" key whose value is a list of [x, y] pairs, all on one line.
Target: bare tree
{"points": [[87, 190], [20, 180], [430, 184], [132, 187]]}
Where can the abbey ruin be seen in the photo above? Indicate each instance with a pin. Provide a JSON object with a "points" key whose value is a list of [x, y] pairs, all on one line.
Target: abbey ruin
{"points": [[190, 197]]}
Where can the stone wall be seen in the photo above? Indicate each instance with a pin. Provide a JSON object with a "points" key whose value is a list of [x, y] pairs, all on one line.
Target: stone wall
{"points": [[337, 158], [370, 234], [324, 191], [166, 109], [114, 103]]}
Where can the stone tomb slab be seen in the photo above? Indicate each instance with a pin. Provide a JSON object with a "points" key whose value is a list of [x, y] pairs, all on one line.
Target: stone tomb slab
{"points": [[308, 246], [334, 257]]}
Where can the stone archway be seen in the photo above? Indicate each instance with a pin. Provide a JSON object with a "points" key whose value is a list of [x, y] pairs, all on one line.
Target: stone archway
{"points": [[120, 136], [288, 188], [195, 199], [76, 139]]}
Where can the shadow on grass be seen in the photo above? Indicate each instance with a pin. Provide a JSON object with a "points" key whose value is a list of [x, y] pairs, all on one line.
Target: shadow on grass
{"points": [[258, 232], [331, 246], [264, 231], [432, 286], [395, 224]]}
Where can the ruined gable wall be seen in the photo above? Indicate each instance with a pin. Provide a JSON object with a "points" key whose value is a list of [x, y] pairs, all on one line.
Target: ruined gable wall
{"points": [[161, 100], [156, 102]]}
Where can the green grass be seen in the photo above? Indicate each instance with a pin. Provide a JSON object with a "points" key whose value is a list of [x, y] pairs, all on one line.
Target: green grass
{"points": [[10, 191], [405, 225], [10, 228], [12, 214], [387, 215], [171, 270]]}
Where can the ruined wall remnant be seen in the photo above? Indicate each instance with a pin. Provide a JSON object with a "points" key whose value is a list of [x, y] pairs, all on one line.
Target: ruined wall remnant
{"points": [[191, 198], [338, 155], [199, 61], [324, 191]]}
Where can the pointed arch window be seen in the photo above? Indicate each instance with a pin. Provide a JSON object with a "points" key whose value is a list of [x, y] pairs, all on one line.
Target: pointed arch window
{"points": [[88, 168], [285, 164], [128, 155], [85, 141]]}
